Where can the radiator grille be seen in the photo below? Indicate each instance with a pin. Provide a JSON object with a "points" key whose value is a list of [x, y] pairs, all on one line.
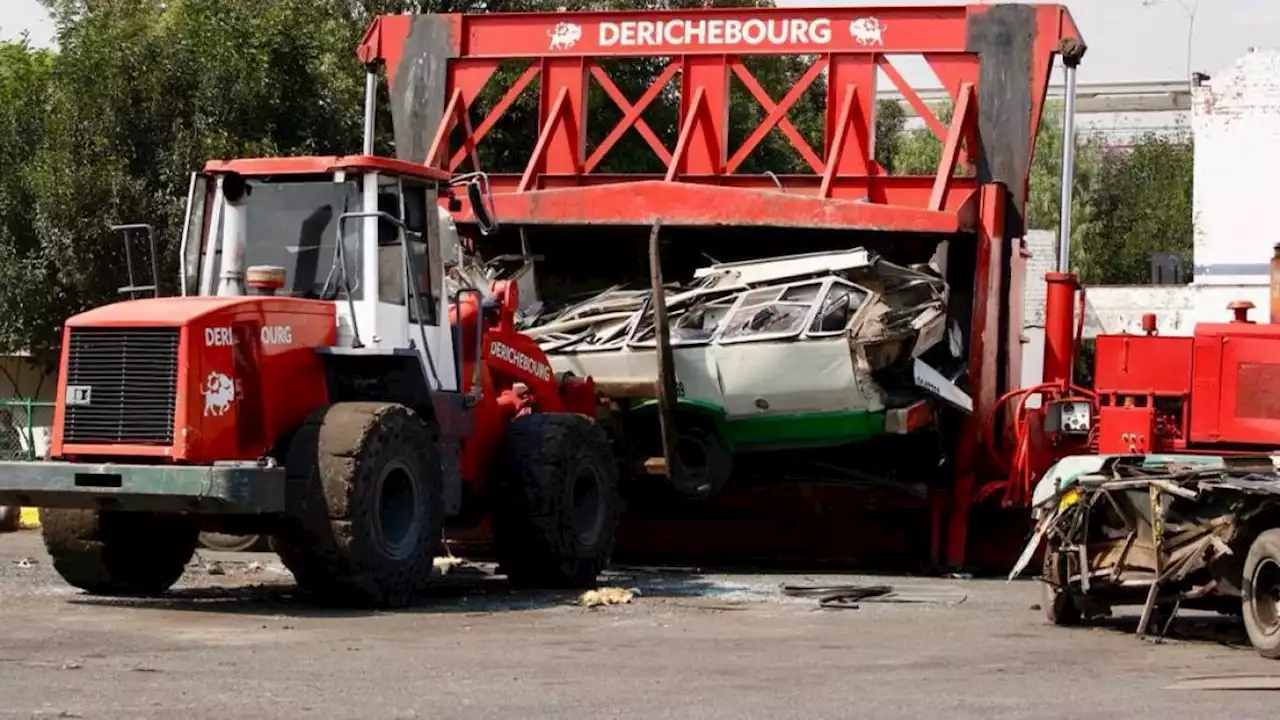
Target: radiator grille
{"points": [[122, 386]]}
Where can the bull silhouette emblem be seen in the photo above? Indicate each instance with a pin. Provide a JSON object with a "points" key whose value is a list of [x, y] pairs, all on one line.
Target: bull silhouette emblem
{"points": [[868, 31], [564, 35], [218, 392]]}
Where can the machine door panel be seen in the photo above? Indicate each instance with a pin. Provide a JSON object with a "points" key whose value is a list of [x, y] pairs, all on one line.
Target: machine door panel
{"points": [[1249, 409], [409, 305]]}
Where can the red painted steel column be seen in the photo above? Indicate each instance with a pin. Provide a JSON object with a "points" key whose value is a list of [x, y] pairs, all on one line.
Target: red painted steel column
{"points": [[1059, 326], [845, 73], [565, 149], [708, 143], [983, 357]]}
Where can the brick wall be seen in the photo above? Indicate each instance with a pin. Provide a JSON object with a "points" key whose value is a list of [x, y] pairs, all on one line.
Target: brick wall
{"points": [[1235, 118], [1043, 246]]}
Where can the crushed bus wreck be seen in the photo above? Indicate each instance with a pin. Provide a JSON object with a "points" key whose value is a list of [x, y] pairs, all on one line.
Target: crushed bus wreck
{"points": [[818, 350]]}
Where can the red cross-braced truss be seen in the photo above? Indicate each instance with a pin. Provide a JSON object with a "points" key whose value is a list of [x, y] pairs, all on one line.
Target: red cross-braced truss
{"points": [[993, 60]]}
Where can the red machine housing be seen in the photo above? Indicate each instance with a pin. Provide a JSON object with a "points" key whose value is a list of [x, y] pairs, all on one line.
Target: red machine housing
{"points": [[194, 349], [1216, 391]]}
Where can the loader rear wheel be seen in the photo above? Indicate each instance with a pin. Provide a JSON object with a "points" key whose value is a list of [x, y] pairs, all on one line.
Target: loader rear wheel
{"points": [[365, 501], [1260, 594], [115, 553], [556, 502]]}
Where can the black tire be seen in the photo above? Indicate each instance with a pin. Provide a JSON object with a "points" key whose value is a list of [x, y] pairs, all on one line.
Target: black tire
{"points": [[365, 505], [555, 503], [10, 518], [1060, 607], [1260, 594], [233, 543], [116, 553], [707, 462]]}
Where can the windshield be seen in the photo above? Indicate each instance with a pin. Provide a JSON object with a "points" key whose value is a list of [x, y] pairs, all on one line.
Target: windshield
{"points": [[293, 225]]}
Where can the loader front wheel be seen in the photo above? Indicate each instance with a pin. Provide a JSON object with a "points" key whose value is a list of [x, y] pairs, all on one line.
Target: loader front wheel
{"points": [[556, 502], [365, 505], [115, 553]]}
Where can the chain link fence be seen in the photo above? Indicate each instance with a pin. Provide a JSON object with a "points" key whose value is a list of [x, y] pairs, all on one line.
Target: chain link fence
{"points": [[24, 428], [24, 435]]}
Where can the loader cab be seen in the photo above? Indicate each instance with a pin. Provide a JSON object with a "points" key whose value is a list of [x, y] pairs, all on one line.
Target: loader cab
{"points": [[364, 233]]}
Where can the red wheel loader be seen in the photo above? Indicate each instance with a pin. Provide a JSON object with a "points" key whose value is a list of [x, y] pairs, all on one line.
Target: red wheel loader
{"points": [[318, 383]]}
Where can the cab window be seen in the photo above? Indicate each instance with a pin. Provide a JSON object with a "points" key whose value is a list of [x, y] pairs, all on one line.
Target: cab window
{"points": [[412, 203]]}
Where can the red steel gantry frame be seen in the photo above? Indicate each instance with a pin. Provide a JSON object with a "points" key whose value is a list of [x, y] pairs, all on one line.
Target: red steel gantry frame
{"points": [[994, 61]]}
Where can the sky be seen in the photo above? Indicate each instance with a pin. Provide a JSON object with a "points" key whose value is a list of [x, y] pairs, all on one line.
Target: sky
{"points": [[1129, 40], [1137, 40]]}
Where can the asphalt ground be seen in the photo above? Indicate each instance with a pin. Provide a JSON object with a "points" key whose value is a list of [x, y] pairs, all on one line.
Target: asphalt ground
{"points": [[231, 641]]}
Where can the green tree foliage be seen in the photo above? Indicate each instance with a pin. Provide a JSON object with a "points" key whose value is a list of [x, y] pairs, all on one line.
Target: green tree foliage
{"points": [[140, 94], [1128, 200], [25, 77], [917, 151], [1141, 204], [891, 119], [1044, 192]]}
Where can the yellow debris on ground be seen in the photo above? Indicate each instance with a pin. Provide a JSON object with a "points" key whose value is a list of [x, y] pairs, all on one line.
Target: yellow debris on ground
{"points": [[605, 596], [29, 518]]}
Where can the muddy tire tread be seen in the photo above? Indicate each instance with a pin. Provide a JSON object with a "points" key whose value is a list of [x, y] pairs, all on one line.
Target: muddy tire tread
{"points": [[331, 465], [119, 554], [535, 541]]}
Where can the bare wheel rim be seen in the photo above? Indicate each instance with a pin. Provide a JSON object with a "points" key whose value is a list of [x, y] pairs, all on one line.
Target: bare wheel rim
{"points": [[588, 496], [1265, 600], [399, 518]]}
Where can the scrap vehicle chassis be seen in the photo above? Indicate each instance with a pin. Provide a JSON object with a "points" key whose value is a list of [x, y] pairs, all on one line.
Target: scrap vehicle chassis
{"points": [[1158, 485], [1163, 532]]}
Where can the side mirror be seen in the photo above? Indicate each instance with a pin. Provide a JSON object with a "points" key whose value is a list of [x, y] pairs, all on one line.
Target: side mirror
{"points": [[479, 209]]}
